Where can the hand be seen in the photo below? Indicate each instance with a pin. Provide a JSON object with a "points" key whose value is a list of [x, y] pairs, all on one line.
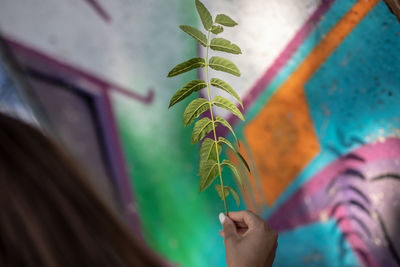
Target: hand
{"points": [[249, 241]]}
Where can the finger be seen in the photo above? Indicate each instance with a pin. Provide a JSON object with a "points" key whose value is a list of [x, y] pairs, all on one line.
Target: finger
{"points": [[228, 225], [241, 231], [222, 234], [240, 225], [246, 217]]}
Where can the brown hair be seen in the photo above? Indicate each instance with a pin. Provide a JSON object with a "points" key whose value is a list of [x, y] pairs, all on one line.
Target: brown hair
{"points": [[49, 214]]}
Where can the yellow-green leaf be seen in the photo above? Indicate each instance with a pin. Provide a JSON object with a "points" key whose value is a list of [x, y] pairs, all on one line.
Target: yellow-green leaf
{"points": [[208, 152], [222, 102], [226, 87], [235, 195], [234, 170], [204, 14], [219, 191], [221, 44], [226, 142], [225, 65], [217, 29], [208, 173], [194, 110], [201, 128], [223, 122], [188, 65], [225, 20], [187, 90], [195, 33]]}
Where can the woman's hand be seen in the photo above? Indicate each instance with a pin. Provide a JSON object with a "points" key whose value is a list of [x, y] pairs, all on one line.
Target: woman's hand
{"points": [[249, 241]]}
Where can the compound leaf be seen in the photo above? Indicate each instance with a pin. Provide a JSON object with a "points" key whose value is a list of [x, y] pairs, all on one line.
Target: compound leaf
{"points": [[195, 33], [227, 88], [219, 191], [205, 15], [223, 122], [234, 170], [225, 65], [201, 128], [188, 65], [226, 142], [222, 102], [208, 173], [235, 195], [217, 29], [207, 151], [186, 91], [194, 110], [221, 44], [225, 20]]}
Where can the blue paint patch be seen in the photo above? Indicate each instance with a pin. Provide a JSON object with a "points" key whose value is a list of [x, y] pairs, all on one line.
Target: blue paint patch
{"points": [[316, 244], [354, 95]]}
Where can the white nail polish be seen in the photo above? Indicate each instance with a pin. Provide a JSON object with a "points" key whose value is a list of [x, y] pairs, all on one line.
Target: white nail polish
{"points": [[221, 217]]}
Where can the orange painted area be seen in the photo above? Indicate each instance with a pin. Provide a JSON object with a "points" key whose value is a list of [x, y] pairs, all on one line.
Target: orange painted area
{"points": [[282, 141], [281, 137]]}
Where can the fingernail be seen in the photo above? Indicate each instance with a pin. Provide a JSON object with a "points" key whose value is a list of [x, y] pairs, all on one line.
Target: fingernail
{"points": [[221, 217]]}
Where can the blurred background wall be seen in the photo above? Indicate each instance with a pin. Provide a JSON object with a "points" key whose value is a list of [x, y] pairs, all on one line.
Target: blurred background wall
{"points": [[320, 86]]}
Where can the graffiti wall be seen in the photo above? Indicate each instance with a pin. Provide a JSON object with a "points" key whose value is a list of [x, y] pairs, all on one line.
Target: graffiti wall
{"points": [[320, 88]]}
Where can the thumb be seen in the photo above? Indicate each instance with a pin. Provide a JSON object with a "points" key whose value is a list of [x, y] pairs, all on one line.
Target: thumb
{"points": [[228, 225]]}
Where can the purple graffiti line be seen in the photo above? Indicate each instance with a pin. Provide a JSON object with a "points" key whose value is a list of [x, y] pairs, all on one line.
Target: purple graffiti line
{"points": [[360, 196], [99, 10], [30, 58]]}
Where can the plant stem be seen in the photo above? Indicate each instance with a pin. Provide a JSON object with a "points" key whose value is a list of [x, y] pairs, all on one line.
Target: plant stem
{"points": [[213, 125]]}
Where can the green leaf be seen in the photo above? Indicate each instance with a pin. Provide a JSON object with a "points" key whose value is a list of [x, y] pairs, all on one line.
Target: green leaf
{"points": [[207, 151], [226, 142], [187, 90], [195, 33], [223, 122], [194, 110], [219, 191], [225, 20], [221, 44], [188, 65], [235, 195], [208, 173], [234, 170], [226, 87], [201, 129], [205, 15], [222, 102], [225, 65], [243, 161], [216, 29]]}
